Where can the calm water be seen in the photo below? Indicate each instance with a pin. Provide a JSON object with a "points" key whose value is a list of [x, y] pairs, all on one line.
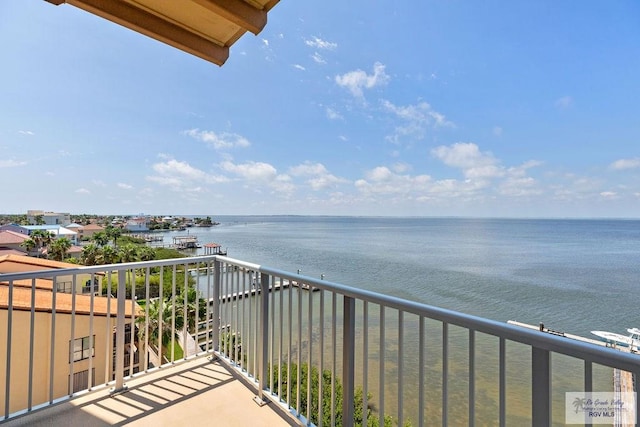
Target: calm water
{"points": [[573, 275]]}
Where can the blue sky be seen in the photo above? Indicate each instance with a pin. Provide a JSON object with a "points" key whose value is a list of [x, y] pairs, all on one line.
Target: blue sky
{"points": [[431, 108]]}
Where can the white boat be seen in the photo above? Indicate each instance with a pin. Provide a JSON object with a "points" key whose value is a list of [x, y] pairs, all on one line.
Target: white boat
{"points": [[632, 340]]}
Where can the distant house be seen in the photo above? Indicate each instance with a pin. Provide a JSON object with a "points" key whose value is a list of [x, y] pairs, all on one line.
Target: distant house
{"points": [[75, 252], [16, 228], [11, 242], [57, 230], [49, 218], [137, 224], [85, 232]]}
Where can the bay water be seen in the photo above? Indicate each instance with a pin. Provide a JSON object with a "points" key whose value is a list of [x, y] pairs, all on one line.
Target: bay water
{"points": [[573, 275]]}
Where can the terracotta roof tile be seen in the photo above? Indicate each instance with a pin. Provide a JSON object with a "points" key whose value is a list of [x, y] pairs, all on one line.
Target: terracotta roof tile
{"points": [[92, 227], [20, 263], [43, 302], [11, 237]]}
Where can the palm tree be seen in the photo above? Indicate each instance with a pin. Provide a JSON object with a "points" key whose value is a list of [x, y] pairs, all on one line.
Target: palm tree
{"points": [[129, 253], [161, 309], [59, 248], [90, 254], [100, 238], [145, 253], [107, 255], [43, 239], [193, 300], [29, 245], [113, 233]]}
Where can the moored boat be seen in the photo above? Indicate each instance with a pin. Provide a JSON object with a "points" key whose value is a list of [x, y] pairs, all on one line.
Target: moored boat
{"points": [[632, 341]]}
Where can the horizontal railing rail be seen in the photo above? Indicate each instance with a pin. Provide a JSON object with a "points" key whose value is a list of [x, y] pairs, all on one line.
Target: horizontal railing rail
{"points": [[329, 353]]}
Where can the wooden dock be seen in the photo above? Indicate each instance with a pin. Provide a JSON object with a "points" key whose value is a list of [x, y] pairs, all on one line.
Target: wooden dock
{"points": [[542, 328], [256, 291]]}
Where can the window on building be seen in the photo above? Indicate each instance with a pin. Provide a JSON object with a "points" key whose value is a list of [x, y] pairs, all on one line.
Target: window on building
{"points": [[64, 287], [81, 380], [83, 348]]}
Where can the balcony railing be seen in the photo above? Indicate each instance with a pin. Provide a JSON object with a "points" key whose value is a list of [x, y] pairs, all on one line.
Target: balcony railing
{"points": [[328, 353]]}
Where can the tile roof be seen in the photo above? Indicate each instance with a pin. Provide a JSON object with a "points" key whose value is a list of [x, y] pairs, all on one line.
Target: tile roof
{"points": [[92, 227], [11, 237], [20, 263], [26, 283], [9, 251], [64, 302]]}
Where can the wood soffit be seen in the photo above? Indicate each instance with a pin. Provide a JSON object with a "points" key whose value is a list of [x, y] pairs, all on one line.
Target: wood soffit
{"points": [[204, 28]]}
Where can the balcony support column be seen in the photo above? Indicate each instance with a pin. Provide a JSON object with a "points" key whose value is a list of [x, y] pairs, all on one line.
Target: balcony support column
{"points": [[541, 387], [348, 361], [120, 321], [215, 305], [263, 339]]}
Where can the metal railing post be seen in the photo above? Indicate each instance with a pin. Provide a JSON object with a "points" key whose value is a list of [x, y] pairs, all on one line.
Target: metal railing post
{"points": [[348, 361], [120, 320], [540, 387], [7, 393], [263, 338], [215, 302]]}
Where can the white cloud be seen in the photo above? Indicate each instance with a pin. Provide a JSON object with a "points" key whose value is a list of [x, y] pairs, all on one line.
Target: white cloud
{"points": [[253, 171], [400, 167], [318, 58], [181, 175], [265, 42], [318, 177], [497, 131], [415, 120], [469, 158], [343, 138], [333, 115], [258, 174], [609, 195], [98, 183], [626, 164], [564, 102], [220, 141], [124, 186], [519, 186], [11, 163], [381, 180], [356, 81], [83, 191], [318, 43], [299, 67], [26, 132]]}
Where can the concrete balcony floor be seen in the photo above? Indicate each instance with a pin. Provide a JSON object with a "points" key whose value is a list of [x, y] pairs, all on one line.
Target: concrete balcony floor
{"points": [[199, 392]]}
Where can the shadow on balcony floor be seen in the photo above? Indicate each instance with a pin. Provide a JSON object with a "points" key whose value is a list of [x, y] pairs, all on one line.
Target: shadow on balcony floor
{"points": [[198, 393]]}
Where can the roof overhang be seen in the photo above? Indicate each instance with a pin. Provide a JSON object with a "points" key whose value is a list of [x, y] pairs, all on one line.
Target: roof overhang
{"points": [[204, 28]]}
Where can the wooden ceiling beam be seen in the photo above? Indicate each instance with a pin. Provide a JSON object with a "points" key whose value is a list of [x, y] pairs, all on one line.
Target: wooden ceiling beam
{"points": [[155, 27], [239, 12]]}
